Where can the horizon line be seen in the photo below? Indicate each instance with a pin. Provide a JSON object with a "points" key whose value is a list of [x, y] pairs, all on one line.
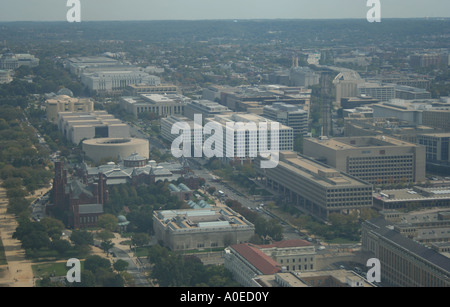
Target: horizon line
{"points": [[222, 19]]}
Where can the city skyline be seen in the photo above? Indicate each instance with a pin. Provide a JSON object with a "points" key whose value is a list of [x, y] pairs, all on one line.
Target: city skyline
{"points": [[115, 10]]}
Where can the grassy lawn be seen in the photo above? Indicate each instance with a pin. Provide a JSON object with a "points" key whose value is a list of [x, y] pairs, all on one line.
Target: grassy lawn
{"points": [[47, 269]]}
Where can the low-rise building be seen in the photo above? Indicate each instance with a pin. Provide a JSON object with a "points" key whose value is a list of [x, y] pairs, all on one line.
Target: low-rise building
{"points": [[193, 229]]}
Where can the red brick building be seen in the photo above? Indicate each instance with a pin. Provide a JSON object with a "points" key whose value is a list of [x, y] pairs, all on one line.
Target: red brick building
{"points": [[80, 202]]}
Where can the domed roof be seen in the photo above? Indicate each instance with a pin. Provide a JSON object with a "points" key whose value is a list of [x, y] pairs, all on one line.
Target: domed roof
{"points": [[122, 219], [135, 157], [65, 91]]}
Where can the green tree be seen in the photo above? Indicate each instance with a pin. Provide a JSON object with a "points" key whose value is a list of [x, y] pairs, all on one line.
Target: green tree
{"points": [[108, 222], [120, 265], [82, 237]]}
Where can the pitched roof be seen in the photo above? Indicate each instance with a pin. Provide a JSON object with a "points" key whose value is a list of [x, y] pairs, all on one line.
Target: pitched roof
{"points": [[286, 244], [257, 258]]}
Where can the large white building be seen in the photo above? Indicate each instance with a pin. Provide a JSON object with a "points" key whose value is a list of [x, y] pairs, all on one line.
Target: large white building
{"points": [[290, 115], [247, 145], [161, 105], [97, 124], [13, 61], [117, 81]]}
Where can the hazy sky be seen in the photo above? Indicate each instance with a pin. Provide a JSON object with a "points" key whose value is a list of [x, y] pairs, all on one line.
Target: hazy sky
{"points": [[56, 10]]}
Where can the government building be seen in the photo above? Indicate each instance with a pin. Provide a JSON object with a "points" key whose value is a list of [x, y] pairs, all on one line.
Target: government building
{"points": [[315, 188], [193, 229], [375, 159]]}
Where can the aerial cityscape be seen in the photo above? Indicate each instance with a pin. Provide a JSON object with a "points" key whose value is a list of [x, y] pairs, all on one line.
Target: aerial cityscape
{"points": [[254, 150]]}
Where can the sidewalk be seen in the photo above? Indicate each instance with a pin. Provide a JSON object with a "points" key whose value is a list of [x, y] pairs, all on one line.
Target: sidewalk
{"points": [[18, 272]]}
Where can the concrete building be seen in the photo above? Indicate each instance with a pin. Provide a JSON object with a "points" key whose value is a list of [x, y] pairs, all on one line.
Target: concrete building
{"points": [[137, 89], [5, 76], [201, 229], [437, 148], [314, 187], [438, 118], [161, 105], [249, 262], [428, 59], [97, 149], [64, 103], [390, 126], [78, 65], [77, 126], [205, 108], [411, 93], [303, 76], [288, 115], [382, 92], [416, 197], [116, 81], [398, 109], [167, 124], [346, 85], [375, 159], [11, 61], [248, 146], [404, 262], [355, 102], [429, 227]]}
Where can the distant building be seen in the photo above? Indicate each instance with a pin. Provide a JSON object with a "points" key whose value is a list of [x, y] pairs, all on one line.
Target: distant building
{"points": [[288, 115], [428, 60], [11, 61], [437, 147], [377, 91], [390, 126], [303, 76], [161, 105], [64, 103], [116, 81], [5, 76], [411, 93], [437, 118], [346, 85], [205, 108], [416, 197], [355, 102], [137, 89], [193, 229], [375, 159]]}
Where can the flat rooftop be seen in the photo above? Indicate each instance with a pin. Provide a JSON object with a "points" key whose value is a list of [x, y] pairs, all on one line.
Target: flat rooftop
{"points": [[200, 219], [343, 143], [315, 171], [415, 194]]}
